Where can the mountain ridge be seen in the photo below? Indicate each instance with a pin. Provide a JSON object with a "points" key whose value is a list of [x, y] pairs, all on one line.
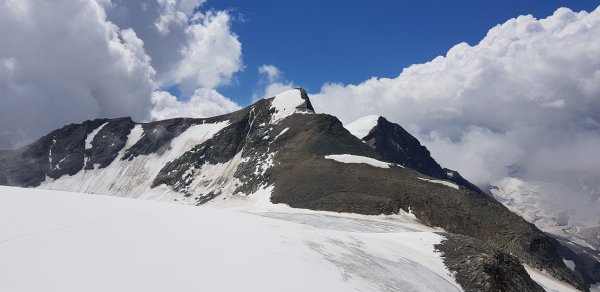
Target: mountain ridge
{"points": [[280, 143]]}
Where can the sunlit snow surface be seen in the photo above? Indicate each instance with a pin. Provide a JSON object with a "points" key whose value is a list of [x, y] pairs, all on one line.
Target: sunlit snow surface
{"points": [[361, 127], [61, 241]]}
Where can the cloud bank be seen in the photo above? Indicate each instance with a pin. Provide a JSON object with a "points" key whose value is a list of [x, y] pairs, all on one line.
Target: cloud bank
{"points": [[68, 61], [524, 102], [202, 104], [54, 71]]}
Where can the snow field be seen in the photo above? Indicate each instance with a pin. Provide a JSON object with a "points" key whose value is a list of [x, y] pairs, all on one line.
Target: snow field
{"points": [[61, 241]]}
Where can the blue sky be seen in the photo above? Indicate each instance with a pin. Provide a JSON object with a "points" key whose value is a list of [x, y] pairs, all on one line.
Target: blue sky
{"points": [[314, 42]]}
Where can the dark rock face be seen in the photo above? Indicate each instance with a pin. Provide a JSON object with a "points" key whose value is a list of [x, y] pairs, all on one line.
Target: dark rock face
{"points": [[289, 155], [158, 135], [59, 153], [479, 267], [307, 105], [219, 149], [108, 142], [397, 145]]}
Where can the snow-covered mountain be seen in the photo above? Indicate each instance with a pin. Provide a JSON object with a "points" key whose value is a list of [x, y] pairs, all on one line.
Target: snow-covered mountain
{"points": [[280, 151]]}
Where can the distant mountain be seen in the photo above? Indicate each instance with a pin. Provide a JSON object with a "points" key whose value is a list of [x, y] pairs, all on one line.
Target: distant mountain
{"points": [[280, 151]]}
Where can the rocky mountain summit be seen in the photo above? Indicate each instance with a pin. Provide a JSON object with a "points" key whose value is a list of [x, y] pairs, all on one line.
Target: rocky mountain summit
{"points": [[280, 147]]}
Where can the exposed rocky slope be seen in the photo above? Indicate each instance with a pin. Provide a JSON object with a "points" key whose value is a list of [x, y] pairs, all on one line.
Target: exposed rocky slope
{"points": [[280, 146]]}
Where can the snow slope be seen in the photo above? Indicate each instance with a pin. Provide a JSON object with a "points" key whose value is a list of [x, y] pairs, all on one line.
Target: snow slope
{"points": [[61, 241]]}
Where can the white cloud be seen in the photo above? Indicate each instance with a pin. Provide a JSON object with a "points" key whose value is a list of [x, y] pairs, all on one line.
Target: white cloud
{"points": [[54, 72], [105, 61], [203, 103], [173, 12], [272, 82], [211, 55], [189, 46], [271, 72], [526, 98], [273, 89]]}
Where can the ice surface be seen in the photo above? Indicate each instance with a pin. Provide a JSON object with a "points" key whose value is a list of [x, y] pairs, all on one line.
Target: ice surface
{"points": [[349, 158], [361, 127], [285, 104], [60, 241], [442, 182]]}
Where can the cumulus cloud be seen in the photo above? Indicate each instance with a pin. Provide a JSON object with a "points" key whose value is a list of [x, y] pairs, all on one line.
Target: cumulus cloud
{"points": [[211, 54], [271, 72], [189, 46], [173, 12], [54, 72], [523, 102], [272, 82], [105, 60], [203, 103]]}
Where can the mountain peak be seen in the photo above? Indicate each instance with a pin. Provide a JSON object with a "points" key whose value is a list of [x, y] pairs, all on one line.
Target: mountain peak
{"points": [[397, 145], [290, 102]]}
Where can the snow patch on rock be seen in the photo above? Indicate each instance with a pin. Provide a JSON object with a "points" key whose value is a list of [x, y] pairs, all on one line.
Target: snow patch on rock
{"points": [[281, 133], [349, 158], [442, 182], [285, 104], [547, 282], [90, 137], [570, 264], [361, 127]]}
